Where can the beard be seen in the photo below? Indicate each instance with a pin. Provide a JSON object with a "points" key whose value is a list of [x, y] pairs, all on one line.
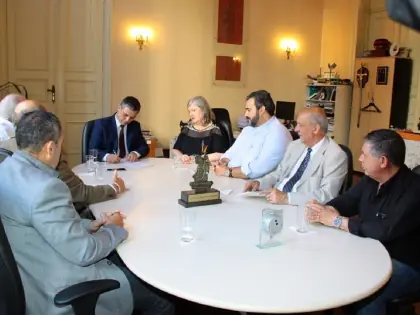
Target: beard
{"points": [[254, 120]]}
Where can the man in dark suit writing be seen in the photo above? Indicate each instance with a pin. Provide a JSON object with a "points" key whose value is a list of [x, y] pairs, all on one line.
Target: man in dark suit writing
{"points": [[119, 136]]}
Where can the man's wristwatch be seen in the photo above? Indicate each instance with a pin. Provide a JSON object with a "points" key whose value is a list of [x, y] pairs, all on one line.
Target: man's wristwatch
{"points": [[228, 172], [337, 222]]}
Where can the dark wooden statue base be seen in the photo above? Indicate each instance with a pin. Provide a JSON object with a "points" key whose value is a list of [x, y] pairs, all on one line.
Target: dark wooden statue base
{"points": [[192, 198]]}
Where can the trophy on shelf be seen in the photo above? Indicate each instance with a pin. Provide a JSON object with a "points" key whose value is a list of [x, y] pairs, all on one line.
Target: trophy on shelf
{"points": [[201, 193]]}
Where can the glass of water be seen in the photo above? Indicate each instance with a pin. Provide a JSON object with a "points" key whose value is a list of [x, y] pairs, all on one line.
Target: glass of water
{"points": [[302, 223], [94, 153], [188, 221], [100, 170], [90, 163], [177, 161]]}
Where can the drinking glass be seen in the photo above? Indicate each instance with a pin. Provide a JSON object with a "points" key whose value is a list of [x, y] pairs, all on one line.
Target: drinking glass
{"points": [[94, 153], [100, 170], [177, 161], [301, 220], [90, 163], [188, 221]]}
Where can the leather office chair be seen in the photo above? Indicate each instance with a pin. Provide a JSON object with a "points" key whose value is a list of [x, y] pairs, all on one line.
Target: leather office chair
{"points": [[82, 296], [348, 181], [224, 123], [294, 135], [87, 131], [4, 154]]}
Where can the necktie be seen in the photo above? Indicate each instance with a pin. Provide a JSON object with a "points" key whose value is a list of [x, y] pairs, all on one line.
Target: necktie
{"points": [[121, 143], [295, 178]]}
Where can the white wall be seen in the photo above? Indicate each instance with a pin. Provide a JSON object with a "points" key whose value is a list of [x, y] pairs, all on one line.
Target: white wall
{"points": [[178, 64]]}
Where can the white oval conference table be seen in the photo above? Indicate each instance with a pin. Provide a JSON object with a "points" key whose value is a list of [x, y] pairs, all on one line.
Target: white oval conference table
{"points": [[323, 269]]}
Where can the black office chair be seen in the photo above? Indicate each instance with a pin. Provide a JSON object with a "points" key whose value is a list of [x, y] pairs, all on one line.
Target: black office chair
{"points": [[82, 297], [224, 123], [4, 154], [87, 131], [294, 135], [416, 169], [348, 181]]}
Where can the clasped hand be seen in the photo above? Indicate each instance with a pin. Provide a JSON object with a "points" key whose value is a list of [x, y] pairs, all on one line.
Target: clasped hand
{"points": [[115, 218]]}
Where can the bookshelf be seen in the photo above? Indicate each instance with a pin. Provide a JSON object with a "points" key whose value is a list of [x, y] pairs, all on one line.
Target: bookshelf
{"points": [[336, 101]]}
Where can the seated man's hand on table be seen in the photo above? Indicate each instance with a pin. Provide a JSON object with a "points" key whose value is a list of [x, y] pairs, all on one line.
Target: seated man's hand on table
{"points": [[112, 158], [115, 218], [276, 196], [252, 185], [186, 159], [315, 212], [132, 157]]}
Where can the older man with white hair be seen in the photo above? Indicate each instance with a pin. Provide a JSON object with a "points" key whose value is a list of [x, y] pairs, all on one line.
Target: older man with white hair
{"points": [[7, 107], [313, 168]]}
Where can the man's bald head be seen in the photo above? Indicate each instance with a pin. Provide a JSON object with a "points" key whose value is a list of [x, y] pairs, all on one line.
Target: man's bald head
{"points": [[316, 116], [26, 107], [312, 125]]}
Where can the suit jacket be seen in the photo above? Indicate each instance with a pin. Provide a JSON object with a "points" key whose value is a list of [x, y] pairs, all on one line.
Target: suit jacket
{"points": [[104, 137], [323, 177], [82, 195], [52, 245]]}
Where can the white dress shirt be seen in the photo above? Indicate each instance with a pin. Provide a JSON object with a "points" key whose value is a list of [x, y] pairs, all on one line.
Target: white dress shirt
{"points": [[280, 186], [258, 150], [7, 129], [118, 142]]}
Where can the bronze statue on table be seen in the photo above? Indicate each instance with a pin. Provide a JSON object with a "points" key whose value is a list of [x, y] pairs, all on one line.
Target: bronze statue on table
{"points": [[201, 194]]}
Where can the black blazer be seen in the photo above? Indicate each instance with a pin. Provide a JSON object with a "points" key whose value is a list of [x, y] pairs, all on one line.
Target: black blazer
{"points": [[104, 137]]}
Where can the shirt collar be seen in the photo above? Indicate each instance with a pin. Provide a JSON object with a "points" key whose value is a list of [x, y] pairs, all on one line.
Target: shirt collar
{"points": [[117, 121], [318, 145], [266, 124], [25, 156], [397, 179]]}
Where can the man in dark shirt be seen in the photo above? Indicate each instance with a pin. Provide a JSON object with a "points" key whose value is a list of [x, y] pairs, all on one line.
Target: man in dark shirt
{"points": [[384, 205]]}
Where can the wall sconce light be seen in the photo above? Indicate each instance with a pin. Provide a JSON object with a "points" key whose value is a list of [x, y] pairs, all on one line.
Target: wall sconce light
{"points": [[141, 40], [236, 59], [141, 36], [289, 46]]}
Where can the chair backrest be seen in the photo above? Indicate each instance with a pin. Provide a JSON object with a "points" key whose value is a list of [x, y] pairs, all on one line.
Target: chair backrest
{"points": [[416, 169], [4, 153], [12, 299], [224, 123], [348, 181], [294, 135], [87, 131]]}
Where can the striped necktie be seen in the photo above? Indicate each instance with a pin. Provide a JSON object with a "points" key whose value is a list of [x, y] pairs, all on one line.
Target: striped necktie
{"points": [[298, 175]]}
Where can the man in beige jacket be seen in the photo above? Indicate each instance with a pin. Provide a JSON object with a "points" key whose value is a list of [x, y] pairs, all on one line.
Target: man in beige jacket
{"points": [[313, 168], [83, 195]]}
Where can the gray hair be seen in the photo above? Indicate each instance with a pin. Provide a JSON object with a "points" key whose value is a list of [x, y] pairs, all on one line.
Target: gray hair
{"points": [[317, 118], [8, 105], [202, 103]]}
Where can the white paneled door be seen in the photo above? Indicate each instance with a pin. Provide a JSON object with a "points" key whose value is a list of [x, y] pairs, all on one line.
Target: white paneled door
{"points": [[56, 49]]}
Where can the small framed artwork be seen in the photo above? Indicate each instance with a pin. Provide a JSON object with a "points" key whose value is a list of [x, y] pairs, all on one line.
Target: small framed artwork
{"points": [[382, 75], [228, 69]]}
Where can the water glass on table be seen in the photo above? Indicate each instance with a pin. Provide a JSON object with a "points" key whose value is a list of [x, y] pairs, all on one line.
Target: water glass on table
{"points": [[94, 153], [100, 169], [188, 221], [177, 161], [90, 163], [302, 223]]}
